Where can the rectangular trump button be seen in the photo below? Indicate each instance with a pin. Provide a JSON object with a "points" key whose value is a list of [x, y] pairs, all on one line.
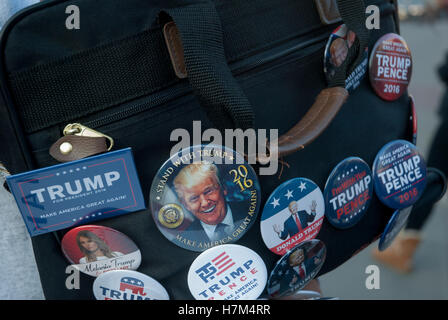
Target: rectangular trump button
{"points": [[77, 192]]}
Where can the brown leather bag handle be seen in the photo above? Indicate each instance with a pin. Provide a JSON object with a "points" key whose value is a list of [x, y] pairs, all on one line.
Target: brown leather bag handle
{"points": [[328, 102]]}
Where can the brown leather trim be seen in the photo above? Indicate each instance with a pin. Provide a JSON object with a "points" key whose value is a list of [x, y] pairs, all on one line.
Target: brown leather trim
{"points": [[175, 49], [328, 11], [316, 120], [82, 147]]}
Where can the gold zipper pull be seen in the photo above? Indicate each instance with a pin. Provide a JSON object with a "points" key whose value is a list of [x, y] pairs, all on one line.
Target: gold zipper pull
{"points": [[78, 129]]}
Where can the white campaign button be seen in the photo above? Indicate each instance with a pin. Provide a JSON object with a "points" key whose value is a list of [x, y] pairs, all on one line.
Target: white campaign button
{"points": [[128, 285], [227, 272]]}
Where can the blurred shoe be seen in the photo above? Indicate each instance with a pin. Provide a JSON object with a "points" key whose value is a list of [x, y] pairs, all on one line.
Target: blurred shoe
{"points": [[400, 254]]}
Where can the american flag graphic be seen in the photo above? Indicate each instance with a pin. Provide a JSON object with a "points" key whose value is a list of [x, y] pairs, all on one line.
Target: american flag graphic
{"points": [[223, 262], [215, 267]]}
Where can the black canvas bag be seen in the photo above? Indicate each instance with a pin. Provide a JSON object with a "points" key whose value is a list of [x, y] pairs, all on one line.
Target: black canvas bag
{"points": [[115, 75]]}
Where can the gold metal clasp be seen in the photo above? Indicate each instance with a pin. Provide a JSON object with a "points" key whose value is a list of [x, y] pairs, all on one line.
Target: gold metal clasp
{"points": [[78, 129]]}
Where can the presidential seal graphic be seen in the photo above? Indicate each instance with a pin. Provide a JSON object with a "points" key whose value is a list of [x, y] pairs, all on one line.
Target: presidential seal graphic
{"points": [[171, 215], [205, 196]]}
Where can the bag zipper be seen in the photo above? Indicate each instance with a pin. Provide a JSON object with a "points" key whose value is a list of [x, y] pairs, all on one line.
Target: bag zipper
{"points": [[181, 89]]}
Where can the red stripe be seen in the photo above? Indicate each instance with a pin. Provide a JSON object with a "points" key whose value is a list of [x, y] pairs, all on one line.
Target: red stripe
{"points": [[230, 265], [222, 260], [218, 257], [222, 265]]}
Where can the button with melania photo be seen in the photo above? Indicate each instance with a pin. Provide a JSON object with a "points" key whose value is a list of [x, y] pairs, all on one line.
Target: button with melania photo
{"points": [[96, 249]]}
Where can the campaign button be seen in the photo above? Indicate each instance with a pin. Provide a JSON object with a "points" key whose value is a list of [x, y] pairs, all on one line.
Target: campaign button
{"points": [[96, 249], [302, 295], [348, 192], [390, 67], [128, 285], [393, 227], [293, 213], [296, 268], [336, 52], [227, 272], [205, 196], [413, 120], [399, 174]]}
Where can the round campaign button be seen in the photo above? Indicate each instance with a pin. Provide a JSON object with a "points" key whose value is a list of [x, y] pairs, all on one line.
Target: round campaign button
{"points": [[227, 272], [393, 227], [336, 52], [390, 67], [296, 268], [348, 192], [96, 249], [399, 174], [302, 295], [128, 285], [293, 213], [413, 120], [205, 196]]}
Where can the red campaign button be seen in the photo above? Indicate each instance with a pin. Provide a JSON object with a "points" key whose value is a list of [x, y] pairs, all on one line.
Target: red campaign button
{"points": [[390, 67]]}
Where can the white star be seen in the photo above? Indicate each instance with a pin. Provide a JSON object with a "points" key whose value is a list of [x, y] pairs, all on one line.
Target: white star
{"points": [[288, 194], [302, 186], [275, 202]]}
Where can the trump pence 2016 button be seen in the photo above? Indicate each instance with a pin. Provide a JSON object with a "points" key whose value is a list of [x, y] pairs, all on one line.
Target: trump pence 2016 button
{"points": [[205, 196], [348, 192], [97, 249], [227, 272], [399, 174], [293, 213], [390, 67], [128, 285]]}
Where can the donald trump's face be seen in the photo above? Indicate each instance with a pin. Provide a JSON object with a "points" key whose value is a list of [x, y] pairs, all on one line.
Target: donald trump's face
{"points": [[204, 197]]}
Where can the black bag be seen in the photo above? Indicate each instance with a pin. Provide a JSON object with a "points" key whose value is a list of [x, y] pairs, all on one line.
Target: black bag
{"points": [[115, 75]]}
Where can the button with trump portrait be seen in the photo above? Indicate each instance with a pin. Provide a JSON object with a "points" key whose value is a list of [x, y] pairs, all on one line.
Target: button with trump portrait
{"points": [[390, 67], [348, 192], [293, 213], [205, 196], [128, 285], [227, 272], [399, 174], [94, 250], [337, 52], [296, 269]]}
